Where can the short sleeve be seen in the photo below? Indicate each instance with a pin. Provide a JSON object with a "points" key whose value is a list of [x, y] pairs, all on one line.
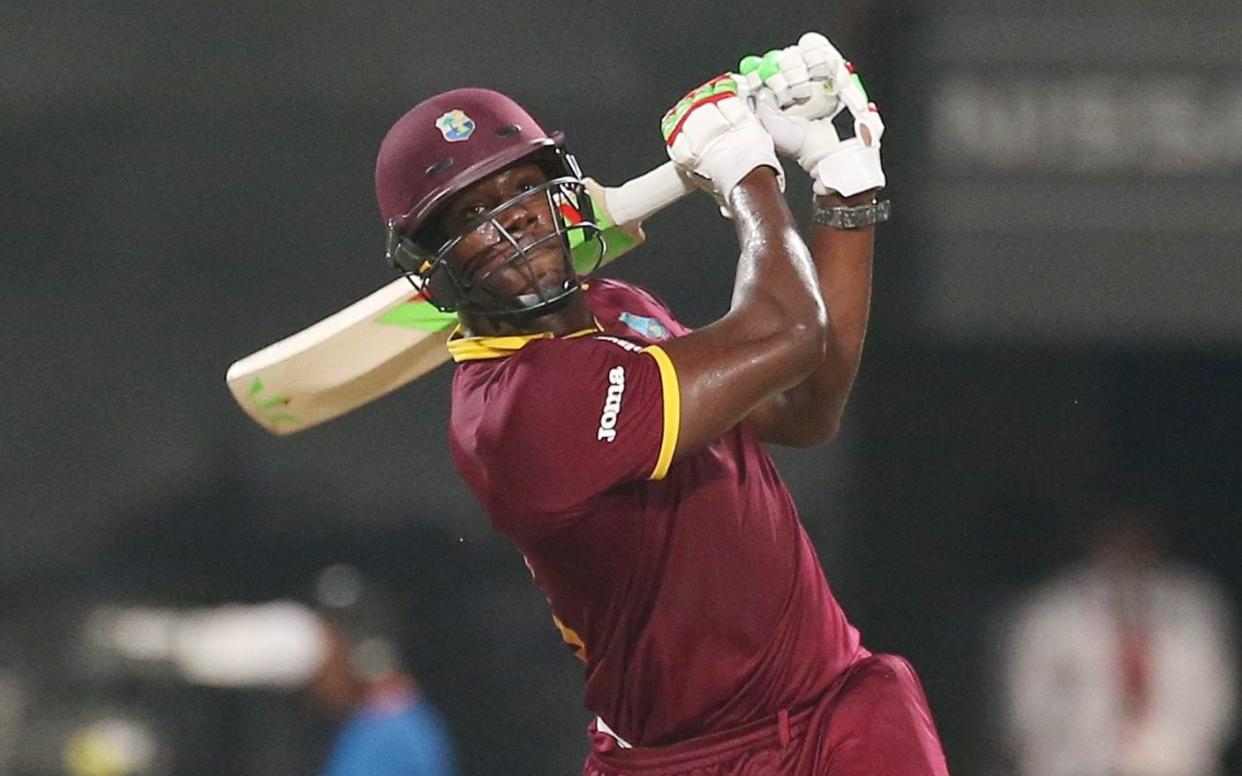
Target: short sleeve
{"points": [[578, 417]]}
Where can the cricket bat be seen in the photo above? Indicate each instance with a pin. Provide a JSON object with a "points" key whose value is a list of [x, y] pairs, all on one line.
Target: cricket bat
{"points": [[395, 336]]}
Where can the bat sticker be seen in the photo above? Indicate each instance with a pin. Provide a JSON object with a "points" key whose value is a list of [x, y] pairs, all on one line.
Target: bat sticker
{"points": [[271, 407]]}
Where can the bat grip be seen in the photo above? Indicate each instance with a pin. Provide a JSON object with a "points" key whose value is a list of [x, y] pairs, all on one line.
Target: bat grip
{"points": [[634, 201]]}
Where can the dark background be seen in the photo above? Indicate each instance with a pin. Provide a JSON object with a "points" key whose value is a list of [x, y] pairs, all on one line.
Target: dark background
{"points": [[1056, 316]]}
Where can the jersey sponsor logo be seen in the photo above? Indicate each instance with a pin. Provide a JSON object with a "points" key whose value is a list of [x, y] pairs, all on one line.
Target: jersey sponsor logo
{"points": [[630, 346], [456, 126], [612, 405], [648, 327]]}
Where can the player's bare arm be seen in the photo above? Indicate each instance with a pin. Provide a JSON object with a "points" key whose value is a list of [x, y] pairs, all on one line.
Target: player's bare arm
{"points": [[774, 334], [797, 92], [810, 412]]}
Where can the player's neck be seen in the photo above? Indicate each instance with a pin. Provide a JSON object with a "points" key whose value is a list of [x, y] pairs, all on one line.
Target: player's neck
{"points": [[575, 316]]}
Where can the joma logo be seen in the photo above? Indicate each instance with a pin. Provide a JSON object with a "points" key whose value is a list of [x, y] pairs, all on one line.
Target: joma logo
{"points": [[612, 405]]}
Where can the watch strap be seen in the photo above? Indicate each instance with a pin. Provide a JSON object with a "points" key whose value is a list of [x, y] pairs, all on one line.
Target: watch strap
{"points": [[852, 217]]}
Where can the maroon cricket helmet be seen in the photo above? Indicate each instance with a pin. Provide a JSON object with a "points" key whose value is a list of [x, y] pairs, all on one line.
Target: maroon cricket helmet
{"points": [[441, 147], [444, 144]]}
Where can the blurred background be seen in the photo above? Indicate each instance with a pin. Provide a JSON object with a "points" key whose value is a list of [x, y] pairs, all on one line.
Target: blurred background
{"points": [[1050, 401]]}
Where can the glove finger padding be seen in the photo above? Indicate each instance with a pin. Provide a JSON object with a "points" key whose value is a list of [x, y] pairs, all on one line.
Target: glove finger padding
{"points": [[713, 135], [786, 74], [783, 71], [747, 76], [803, 128], [821, 58], [794, 69]]}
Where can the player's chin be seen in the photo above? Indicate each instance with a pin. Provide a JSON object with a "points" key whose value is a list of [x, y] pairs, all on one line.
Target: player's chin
{"points": [[543, 284], [545, 269]]}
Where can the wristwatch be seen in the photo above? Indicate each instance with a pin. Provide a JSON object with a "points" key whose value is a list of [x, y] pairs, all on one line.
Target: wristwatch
{"points": [[852, 217]]}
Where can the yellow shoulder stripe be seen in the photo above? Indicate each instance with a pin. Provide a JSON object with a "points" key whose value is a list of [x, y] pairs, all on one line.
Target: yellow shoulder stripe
{"points": [[672, 410], [478, 348]]}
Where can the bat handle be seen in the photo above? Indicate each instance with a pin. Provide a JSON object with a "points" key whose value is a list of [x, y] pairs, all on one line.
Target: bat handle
{"points": [[631, 203]]}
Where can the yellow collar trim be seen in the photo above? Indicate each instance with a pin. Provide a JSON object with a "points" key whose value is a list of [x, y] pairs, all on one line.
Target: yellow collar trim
{"points": [[479, 348]]}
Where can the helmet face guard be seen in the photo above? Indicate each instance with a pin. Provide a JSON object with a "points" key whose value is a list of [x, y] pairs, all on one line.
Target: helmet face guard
{"points": [[472, 284]]}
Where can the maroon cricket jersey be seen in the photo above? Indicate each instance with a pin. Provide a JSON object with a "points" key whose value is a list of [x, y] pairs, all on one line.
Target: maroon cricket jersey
{"points": [[690, 591]]}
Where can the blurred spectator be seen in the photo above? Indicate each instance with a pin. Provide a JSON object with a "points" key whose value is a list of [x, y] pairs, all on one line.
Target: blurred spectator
{"points": [[389, 729], [1122, 665], [340, 652]]}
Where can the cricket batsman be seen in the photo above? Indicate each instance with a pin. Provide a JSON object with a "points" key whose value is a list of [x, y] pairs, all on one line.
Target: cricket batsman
{"points": [[623, 453]]}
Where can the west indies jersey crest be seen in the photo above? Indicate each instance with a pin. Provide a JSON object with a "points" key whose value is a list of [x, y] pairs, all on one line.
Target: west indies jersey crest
{"points": [[690, 590]]}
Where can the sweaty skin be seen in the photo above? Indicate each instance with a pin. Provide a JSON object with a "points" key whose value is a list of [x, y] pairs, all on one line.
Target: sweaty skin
{"points": [[810, 412], [774, 333]]}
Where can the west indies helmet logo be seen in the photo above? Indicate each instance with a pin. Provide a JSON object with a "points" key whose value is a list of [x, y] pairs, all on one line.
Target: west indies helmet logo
{"points": [[455, 126]]}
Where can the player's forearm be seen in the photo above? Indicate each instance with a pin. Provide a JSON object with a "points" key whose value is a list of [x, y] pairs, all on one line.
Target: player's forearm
{"points": [[811, 411], [776, 294]]}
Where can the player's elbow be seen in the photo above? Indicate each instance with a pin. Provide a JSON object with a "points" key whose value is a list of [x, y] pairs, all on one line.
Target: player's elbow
{"points": [[796, 431], [826, 432], [801, 324], [794, 334], [809, 418], [807, 341]]}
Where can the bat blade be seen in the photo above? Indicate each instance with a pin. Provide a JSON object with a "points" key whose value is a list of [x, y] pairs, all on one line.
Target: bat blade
{"points": [[394, 336], [375, 345]]}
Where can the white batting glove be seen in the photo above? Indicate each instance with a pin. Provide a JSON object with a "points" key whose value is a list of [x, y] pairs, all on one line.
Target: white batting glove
{"points": [[796, 92], [712, 134]]}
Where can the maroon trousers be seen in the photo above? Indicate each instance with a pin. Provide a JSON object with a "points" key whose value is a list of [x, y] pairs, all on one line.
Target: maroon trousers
{"points": [[874, 721]]}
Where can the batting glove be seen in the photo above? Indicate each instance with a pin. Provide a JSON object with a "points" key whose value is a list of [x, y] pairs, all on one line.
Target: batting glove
{"points": [[712, 134], [796, 92]]}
